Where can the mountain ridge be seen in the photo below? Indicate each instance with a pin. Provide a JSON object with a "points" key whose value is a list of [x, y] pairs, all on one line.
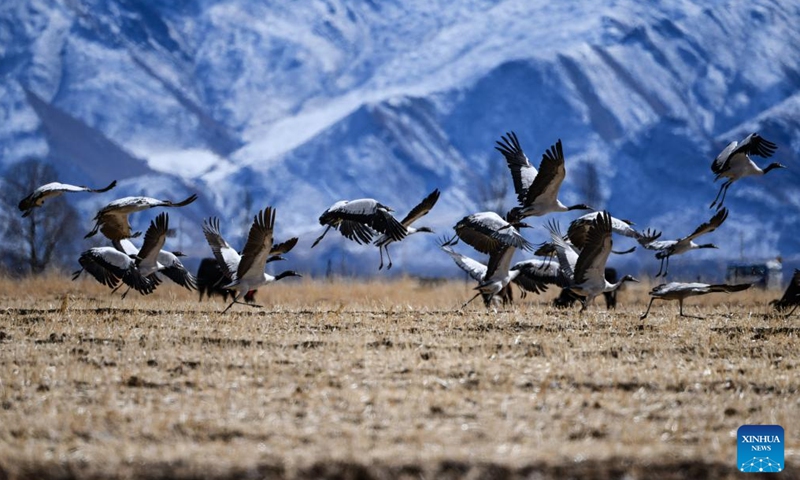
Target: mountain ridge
{"points": [[343, 106]]}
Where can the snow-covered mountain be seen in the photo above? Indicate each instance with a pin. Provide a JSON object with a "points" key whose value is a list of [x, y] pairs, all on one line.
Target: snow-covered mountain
{"points": [[298, 105]]}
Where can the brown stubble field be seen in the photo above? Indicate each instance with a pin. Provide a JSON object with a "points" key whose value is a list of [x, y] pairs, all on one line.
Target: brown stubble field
{"points": [[384, 380]]}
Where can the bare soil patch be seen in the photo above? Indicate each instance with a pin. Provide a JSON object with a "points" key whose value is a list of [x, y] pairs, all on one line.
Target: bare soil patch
{"points": [[384, 380]]}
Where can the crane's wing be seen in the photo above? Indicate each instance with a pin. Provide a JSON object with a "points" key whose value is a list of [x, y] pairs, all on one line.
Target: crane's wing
{"points": [[115, 226], [191, 198], [709, 226], [117, 264], [755, 144], [384, 222], [175, 271], [359, 219], [474, 268], [154, 239], [356, 231], [594, 255], [720, 163], [284, 247], [551, 175], [422, 209], [101, 190], [97, 270], [649, 240], [125, 246], [729, 288], [487, 232], [500, 261], [522, 172], [578, 230], [258, 246], [227, 258], [536, 274], [566, 254]]}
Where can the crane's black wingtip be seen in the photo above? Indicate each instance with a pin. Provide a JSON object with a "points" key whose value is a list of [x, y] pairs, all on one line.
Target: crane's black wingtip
{"points": [[105, 189]]}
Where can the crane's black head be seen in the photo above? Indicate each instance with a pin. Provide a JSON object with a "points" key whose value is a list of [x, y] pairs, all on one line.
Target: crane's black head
{"points": [[178, 253], [707, 245], [26, 204], [773, 166], [580, 206], [628, 278], [287, 273], [425, 229]]}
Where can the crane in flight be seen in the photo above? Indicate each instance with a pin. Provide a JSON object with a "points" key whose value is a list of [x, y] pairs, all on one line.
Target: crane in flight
{"points": [[112, 220], [246, 271], [54, 189]]}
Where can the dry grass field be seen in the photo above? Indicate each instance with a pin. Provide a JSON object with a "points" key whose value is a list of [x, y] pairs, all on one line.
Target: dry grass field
{"points": [[384, 380]]}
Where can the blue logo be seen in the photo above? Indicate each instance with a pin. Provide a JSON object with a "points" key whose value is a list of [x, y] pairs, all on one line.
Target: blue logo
{"points": [[760, 448]]}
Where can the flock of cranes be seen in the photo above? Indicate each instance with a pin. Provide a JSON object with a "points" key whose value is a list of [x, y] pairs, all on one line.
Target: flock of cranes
{"points": [[575, 261]]}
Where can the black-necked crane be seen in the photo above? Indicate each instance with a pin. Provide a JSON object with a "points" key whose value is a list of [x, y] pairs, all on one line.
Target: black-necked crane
{"points": [[530, 275], [791, 297], [358, 220], [415, 214], [734, 163], [152, 258], [247, 271], [112, 220], [210, 276], [681, 291], [487, 232], [108, 265], [540, 197], [585, 275], [54, 189], [668, 248]]}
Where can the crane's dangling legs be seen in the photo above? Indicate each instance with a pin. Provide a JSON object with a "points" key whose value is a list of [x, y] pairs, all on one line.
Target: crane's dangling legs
{"points": [[388, 257], [722, 188], [320, 237], [660, 268]]}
